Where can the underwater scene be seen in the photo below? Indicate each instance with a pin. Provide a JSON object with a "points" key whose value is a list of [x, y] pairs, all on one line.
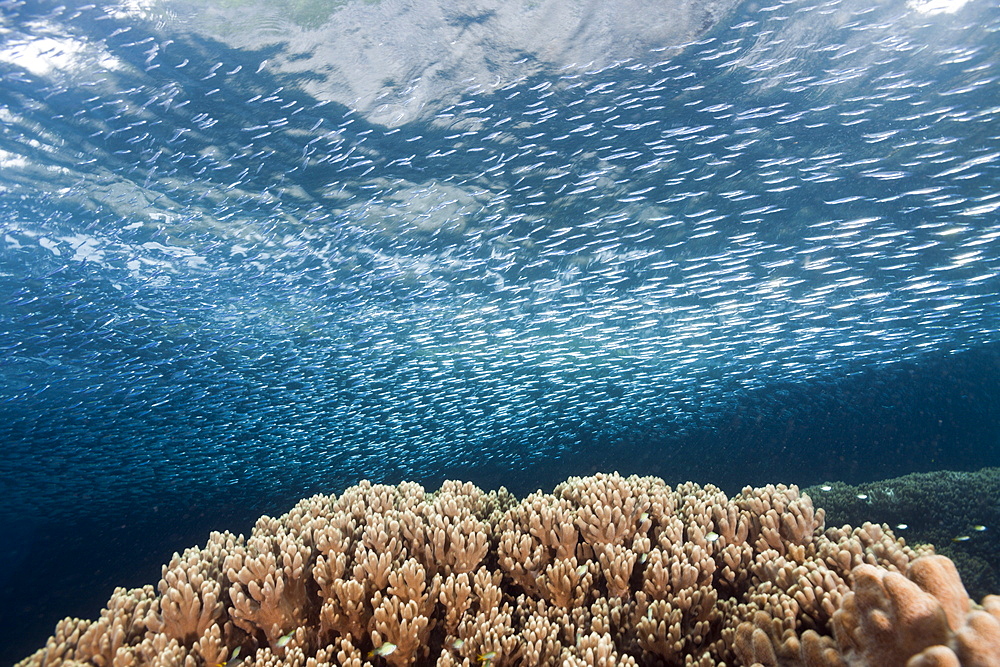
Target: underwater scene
{"points": [[657, 260]]}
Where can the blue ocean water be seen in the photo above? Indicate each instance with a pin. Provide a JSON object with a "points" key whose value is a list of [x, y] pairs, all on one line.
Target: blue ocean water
{"points": [[251, 253]]}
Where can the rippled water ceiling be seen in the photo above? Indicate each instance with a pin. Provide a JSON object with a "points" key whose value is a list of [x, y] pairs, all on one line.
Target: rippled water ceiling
{"points": [[284, 243]]}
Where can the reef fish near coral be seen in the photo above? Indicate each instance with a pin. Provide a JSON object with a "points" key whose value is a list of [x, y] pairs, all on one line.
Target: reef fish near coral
{"points": [[251, 250]]}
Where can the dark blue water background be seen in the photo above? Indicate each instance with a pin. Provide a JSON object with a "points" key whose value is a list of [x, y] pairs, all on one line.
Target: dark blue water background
{"points": [[220, 295]]}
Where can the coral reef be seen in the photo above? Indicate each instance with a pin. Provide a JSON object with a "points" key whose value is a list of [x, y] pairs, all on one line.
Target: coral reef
{"points": [[606, 570], [957, 512]]}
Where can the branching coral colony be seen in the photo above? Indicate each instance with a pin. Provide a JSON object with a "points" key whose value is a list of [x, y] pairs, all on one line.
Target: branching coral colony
{"points": [[605, 570]]}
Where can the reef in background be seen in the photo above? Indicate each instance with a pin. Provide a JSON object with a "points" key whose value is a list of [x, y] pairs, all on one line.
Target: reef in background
{"points": [[605, 570], [957, 512]]}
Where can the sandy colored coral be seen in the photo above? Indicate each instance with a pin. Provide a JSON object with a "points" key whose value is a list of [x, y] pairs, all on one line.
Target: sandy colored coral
{"points": [[606, 570]]}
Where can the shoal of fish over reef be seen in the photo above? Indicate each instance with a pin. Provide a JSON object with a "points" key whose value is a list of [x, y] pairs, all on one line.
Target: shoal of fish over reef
{"points": [[208, 251], [247, 247]]}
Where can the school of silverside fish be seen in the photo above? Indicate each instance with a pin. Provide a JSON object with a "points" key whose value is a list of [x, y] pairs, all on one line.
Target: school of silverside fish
{"points": [[212, 276]]}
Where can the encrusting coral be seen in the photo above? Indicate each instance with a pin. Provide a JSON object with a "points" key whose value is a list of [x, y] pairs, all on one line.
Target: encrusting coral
{"points": [[605, 570]]}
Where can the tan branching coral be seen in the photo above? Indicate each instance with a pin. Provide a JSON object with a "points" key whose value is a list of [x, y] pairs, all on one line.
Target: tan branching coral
{"points": [[565, 584], [606, 570], [191, 598], [402, 617], [118, 637], [270, 580], [64, 645]]}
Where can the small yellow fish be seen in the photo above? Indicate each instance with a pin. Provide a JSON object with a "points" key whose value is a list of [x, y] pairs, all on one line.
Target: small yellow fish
{"points": [[979, 528], [284, 639], [961, 538], [457, 644], [712, 536], [862, 496], [486, 658], [388, 648], [581, 570], [231, 662]]}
